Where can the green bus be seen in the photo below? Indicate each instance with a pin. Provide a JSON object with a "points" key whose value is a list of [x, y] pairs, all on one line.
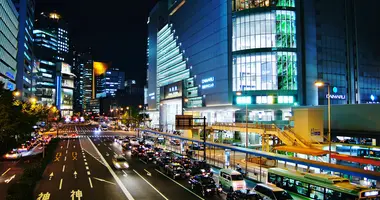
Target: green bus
{"points": [[320, 186]]}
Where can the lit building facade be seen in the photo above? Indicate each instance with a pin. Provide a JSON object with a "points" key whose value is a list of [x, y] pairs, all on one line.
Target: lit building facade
{"points": [[8, 43], [25, 55], [49, 34], [65, 89], [263, 55], [114, 81]]}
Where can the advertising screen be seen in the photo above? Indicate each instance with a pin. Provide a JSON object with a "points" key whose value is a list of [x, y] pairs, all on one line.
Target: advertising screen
{"points": [[67, 98]]}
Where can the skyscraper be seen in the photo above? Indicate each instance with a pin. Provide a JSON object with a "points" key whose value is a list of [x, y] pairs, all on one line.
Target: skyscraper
{"points": [[114, 81], [80, 60], [25, 53], [8, 44], [50, 46]]}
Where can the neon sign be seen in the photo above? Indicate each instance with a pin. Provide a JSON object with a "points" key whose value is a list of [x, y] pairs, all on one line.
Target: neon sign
{"points": [[208, 83]]}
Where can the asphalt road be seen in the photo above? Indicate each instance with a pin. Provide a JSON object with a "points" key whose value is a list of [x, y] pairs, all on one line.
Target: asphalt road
{"points": [[83, 168]]}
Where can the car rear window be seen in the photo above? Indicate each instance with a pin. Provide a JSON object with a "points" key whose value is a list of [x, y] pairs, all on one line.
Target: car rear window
{"points": [[237, 177]]}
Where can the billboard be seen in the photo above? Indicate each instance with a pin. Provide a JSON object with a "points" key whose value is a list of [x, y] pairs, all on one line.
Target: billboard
{"points": [[67, 99], [170, 91]]}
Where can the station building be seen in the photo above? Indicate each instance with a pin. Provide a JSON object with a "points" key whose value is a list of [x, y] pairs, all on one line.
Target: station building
{"points": [[224, 59]]}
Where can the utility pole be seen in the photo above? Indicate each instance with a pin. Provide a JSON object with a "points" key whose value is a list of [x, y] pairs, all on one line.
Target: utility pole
{"points": [[204, 138]]}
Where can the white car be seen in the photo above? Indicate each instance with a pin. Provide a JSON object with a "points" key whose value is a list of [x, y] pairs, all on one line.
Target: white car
{"points": [[119, 162]]}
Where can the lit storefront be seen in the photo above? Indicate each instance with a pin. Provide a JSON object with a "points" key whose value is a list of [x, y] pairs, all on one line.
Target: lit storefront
{"points": [[65, 84]]}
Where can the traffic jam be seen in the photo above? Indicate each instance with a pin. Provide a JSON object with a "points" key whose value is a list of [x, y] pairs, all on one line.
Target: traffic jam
{"points": [[199, 175]]}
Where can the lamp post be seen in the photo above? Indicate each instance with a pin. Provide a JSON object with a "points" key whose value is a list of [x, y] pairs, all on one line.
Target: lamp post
{"points": [[321, 84], [246, 131]]}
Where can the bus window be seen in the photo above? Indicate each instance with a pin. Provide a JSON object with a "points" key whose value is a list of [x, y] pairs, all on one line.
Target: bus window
{"points": [[316, 192], [302, 188]]}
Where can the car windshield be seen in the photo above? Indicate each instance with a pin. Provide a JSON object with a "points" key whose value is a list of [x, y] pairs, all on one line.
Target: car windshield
{"points": [[237, 177], [282, 195], [121, 159]]}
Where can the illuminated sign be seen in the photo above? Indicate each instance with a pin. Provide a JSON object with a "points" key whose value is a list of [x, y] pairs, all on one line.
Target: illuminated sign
{"points": [[264, 100], [208, 83], [335, 95], [10, 75], [171, 91], [371, 193], [152, 95], [285, 99], [244, 100]]}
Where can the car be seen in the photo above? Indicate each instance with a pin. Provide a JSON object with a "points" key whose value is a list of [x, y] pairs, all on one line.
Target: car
{"points": [[243, 195], [201, 167], [175, 170], [139, 151], [196, 146], [119, 162], [205, 184], [125, 143], [149, 156], [134, 141], [163, 163], [175, 142], [65, 135], [12, 155], [23, 148], [74, 135], [231, 180], [272, 192]]}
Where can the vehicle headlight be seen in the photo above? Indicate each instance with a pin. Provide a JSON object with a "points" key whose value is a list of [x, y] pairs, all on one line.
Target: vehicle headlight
{"points": [[117, 165], [126, 165]]}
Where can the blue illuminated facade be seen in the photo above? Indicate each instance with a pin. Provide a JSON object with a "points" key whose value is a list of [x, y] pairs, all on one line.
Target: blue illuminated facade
{"points": [[25, 55], [8, 43]]}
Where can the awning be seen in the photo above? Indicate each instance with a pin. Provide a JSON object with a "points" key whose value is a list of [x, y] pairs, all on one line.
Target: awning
{"points": [[356, 159], [306, 151]]}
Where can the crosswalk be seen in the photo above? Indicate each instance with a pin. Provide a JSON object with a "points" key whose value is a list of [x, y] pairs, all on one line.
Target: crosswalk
{"points": [[79, 131], [88, 136]]}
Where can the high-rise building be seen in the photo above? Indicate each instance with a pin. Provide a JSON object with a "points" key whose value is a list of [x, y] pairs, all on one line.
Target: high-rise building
{"points": [[8, 44], [65, 89], [25, 54], [50, 47], [114, 81], [263, 54], [80, 60]]}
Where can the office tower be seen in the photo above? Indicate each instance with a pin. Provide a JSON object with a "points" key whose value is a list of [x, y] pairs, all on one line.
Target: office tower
{"points": [[25, 53], [8, 44]]}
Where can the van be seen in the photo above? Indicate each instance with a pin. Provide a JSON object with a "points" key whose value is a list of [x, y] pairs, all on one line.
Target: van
{"points": [[231, 180], [269, 192]]}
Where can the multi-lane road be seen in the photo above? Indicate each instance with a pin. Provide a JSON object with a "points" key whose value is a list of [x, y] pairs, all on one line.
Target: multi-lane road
{"points": [[82, 169]]}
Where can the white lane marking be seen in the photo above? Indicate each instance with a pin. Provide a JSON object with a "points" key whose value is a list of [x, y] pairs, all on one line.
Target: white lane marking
{"points": [[142, 161], [151, 185], [147, 172], [68, 144], [118, 181], [180, 185], [109, 148], [66, 151], [115, 153], [60, 184], [87, 168], [10, 179], [63, 168], [99, 179], [85, 163], [125, 173], [5, 172], [65, 158], [89, 180], [85, 160]]}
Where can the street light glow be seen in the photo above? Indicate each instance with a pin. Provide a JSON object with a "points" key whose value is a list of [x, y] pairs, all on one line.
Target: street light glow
{"points": [[238, 93], [127, 108], [33, 100], [186, 100], [16, 93], [140, 106], [319, 83]]}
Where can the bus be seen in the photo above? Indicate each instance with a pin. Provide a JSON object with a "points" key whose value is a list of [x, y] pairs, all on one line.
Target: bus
{"points": [[319, 186]]}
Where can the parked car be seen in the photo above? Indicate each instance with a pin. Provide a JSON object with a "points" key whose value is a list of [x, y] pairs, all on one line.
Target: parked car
{"points": [[204, 184]]}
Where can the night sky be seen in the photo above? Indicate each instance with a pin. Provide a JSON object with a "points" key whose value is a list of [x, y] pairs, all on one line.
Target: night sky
{"points": [[115, 30]]}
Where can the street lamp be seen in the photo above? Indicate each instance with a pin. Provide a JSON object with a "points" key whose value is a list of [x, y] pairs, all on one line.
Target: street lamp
{"points": [[33, 100], [320, 83], [140, 106], [16, 93]]}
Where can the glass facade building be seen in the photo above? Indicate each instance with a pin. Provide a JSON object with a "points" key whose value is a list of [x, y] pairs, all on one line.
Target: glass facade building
{"points": [[265, 54], [25, 55], [8, 43]]}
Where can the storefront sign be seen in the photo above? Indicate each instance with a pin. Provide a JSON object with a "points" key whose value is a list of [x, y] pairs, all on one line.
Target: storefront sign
{"points": [[208, 83], [335, 94], [172, 91], [315, 132], [152, 95], [243, 100]]}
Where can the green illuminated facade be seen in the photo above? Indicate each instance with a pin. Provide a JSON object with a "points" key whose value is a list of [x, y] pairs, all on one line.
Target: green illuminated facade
{"points": [[264, 47]]}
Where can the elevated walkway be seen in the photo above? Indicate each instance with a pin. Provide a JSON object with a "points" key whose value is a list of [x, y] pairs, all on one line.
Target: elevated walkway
{"points": [[287, 136]]}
